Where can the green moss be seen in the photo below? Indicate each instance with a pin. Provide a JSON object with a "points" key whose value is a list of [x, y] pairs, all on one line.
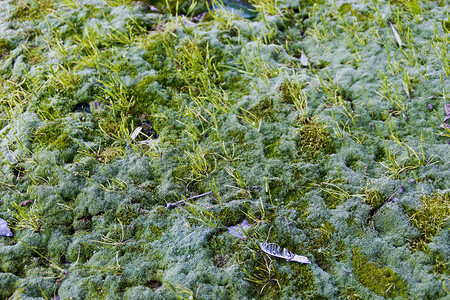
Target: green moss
{"points": [[8, 283], [322, 243], [224, 248], [294, 196], [298, 282], [408, 6], [83, 224], [4, 48], [265, 278], [290, 91], [150, 95], [126, 214], [347, 8], [380, 280], [156, 230], [314, 139], [230, 215], [53, 136], [440, 265], [29, 9], [374, 198], [264, 109], [350, 294], [430, 218]]}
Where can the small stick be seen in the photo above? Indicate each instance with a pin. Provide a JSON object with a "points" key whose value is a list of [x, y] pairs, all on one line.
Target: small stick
{"points": [[174, 204], [198, 196], [399, 191]]}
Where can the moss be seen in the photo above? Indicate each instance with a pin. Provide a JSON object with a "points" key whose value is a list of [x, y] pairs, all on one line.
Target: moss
{"points": [[8, 283], [347, 8], [29, 9], [156, 231], [223, 245], [4, 48], [126, 214], [314, 139], [440, 265], [83, 224], [430, 218], [350, 294], [298, 282], [374, 198], [290, 91], [109, 154], [35, 55], [53, 136], [150, 95], [408, 6], [264, 109], [380, 280], [322, 243], [230, 215]]}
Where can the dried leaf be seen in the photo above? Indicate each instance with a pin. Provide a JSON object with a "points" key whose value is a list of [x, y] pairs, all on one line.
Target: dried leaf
{"points": [[4, 229], [447, 117], [406, 88], [396, 35], [238, 230], [275, 250], [447, 109], [136, 132], [304, 59], [23, 203]]}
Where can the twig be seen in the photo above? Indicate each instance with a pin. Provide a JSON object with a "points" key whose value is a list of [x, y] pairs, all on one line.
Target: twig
{"points": [[176, 204], [198, 196]]}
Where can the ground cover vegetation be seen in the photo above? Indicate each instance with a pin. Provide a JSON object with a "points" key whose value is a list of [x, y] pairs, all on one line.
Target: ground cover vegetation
{"points": [[133, 133]]}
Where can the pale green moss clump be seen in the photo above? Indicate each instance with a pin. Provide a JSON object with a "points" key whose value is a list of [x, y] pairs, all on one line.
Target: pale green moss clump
{"points": [[314, 139], [381, 280], [430, 218]]}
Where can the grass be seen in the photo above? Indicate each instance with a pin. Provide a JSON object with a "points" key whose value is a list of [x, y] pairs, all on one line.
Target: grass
{"points": [[292, 92], [263, 275], [200, 167], [409, 161], [197, 215], [27, 218], [390, 91]]}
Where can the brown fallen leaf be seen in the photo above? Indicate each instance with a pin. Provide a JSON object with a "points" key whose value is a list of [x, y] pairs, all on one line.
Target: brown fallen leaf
{"points": [[447, 117], [23, 203]]}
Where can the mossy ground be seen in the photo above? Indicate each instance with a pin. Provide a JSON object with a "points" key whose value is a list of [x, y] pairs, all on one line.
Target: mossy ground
{"points": [[317, 121]]}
